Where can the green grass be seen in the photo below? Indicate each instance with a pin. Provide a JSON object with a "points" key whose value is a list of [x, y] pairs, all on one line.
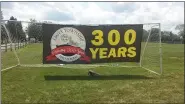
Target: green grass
{"points": [[28, 84]]}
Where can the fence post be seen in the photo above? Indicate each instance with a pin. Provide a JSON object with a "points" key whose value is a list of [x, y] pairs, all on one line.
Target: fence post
{"points": [[22, 43], [6, 46], [10, 46], [27, 42], [15, 45], [18, 44]]}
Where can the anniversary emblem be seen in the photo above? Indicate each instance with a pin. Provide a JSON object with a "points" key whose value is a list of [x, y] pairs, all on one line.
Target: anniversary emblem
{"points": [[68, 45]]}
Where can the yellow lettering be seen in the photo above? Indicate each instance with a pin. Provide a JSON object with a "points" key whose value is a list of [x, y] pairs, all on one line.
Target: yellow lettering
{"points": [[122, 51], [98, 37], [94, 52], [116, 34], [103, 53], [112, 53], [127, 36], [131, 51]]}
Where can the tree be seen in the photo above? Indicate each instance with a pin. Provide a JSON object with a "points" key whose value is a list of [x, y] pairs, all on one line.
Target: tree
{"points": [[154, 35], [2, 15], [165, 36], [16, 30], [11, 27], [20, 32], [35, 30], [180, 28], [145, 35], [171, 36], [3, 35], [3, 32]]}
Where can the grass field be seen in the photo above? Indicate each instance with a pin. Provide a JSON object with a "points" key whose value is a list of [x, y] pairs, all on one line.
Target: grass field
{"points": [[72, 85]]}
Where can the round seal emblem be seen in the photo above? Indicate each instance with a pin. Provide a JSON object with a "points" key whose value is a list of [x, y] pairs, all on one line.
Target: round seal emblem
{"points": [[68, 36]]}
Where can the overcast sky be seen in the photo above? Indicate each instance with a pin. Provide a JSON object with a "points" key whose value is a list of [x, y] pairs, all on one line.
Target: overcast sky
{"points": [[169, 14]]}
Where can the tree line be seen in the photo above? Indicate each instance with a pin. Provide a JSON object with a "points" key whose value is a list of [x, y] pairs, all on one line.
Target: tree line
{"points": [[34, 30], [16, 32], [166, 36], [15, 29]]}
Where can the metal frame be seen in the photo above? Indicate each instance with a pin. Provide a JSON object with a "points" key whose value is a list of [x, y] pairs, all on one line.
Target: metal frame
{"points": [[140, 63], [13, 50], [160, 49]]}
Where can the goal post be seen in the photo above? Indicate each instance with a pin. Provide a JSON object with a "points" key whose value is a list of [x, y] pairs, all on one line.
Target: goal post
{"points": [[31, 55], [157, 49], [9, 57]]}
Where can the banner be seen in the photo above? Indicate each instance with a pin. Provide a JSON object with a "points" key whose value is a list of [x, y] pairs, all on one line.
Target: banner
{"points": [[82, 44]]}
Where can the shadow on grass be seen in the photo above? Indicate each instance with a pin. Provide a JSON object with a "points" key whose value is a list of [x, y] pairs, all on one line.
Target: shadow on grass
{"points": [[102, 77]]}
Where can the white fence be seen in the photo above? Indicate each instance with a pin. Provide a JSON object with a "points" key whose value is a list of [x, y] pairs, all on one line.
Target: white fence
{"points": [[9, 47]]}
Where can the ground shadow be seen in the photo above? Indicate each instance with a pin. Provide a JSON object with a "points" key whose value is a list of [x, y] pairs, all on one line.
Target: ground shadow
{"points": [[102, 77]]}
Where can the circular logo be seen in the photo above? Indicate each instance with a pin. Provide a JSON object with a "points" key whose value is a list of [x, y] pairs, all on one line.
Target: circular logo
{"points": [[68, 36]]}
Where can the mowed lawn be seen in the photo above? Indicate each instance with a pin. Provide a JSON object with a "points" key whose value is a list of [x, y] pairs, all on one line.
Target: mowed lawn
{"points": [[73, 85]]}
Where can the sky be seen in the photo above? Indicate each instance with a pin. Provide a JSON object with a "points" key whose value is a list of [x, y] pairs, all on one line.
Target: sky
{"points": [[169, 14]]}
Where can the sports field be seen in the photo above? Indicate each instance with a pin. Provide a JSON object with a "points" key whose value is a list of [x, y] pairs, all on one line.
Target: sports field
{"points": [[73, 85]]}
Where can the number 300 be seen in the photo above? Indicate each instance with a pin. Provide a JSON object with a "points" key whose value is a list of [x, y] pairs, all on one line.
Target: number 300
{"points": [[98, 40]]}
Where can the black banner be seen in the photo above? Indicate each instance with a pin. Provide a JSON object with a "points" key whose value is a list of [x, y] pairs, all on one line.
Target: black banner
{"points": [[82, 44]]}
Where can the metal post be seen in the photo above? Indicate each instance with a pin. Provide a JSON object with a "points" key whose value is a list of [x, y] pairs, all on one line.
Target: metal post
{"points": [[16, 35], [160, 49], [11, 43], [146, 45]]}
